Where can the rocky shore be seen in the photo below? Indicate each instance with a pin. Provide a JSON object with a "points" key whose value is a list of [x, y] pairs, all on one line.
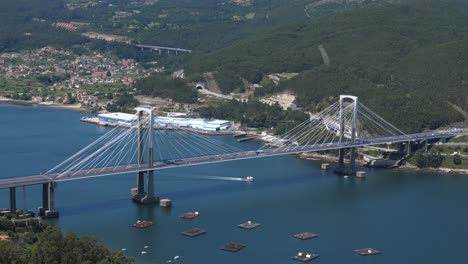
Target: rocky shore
{"points": [[76, 107]]}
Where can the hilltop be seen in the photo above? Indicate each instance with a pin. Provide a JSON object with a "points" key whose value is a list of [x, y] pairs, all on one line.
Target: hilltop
{"points": [[403, 58]]}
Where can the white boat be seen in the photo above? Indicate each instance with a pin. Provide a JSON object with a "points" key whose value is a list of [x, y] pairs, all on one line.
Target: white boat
{"points": [[249, 178]]}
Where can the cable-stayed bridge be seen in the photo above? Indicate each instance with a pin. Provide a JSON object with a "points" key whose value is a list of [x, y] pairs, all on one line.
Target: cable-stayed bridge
{"points": [[140, 146]]}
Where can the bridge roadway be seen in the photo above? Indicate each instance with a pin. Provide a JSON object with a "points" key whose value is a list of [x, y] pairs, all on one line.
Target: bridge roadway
{"points": [[160, 165], [162, 48]]}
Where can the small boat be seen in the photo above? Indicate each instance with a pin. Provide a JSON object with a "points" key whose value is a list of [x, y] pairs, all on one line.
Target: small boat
{"points": [[249, 179], [101, 123]]}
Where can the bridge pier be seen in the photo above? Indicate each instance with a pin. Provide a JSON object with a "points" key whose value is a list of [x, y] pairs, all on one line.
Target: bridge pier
{"points": [[352, 161], [139, 192], [51, 212], [342, 168], [149, 196], [425, 145], [408, 148], [13, 200], [341, 158], [45, 200]]}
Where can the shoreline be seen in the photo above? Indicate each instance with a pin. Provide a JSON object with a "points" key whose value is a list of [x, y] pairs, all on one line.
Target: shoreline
{"points": [[330, 158], [75, 107], [326, 157], [442, 170]]}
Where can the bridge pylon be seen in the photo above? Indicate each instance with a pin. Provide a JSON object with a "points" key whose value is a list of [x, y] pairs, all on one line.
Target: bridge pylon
{"points": [[138, 193], [342, 167]]}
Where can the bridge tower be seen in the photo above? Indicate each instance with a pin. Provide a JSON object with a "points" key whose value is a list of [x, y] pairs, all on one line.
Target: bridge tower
{"points": [[352, 160], [138, 193]]}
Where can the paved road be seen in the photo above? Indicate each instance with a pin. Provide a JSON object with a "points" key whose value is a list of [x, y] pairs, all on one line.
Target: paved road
{"points": [[133, 168]]}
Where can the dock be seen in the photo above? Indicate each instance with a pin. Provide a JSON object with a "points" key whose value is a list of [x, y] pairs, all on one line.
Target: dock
{"points": [[305, 257], [249, 225], [165, 203], [367, 251], [194, 232], [246, 138], [239, 135], [233, 247], [305, 235]]}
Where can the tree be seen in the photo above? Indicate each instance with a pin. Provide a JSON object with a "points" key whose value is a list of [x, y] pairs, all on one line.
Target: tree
{"points": [[457, 159]]}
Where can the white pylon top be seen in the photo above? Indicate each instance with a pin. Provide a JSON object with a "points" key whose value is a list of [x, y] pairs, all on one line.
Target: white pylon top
{"points": [[352, 97], [144, 109]]}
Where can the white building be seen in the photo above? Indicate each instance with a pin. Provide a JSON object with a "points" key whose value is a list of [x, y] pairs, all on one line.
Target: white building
{"points": [[161, 121]]}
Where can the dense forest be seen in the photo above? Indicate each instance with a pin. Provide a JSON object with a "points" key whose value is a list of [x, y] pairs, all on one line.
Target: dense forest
{"points": [[39, 243], [402, 59], [27, 24], [255, 114], [167, 87]]}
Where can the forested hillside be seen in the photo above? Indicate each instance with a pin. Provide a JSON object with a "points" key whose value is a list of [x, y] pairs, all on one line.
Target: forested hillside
{"points": [[27, 24], [403, 58]]}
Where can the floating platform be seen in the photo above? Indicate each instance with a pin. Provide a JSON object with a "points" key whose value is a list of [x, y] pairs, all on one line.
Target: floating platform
{"points": [[165, 203], [305, 257], [305, 235], [249, 225], [194, 232], [190, 215], [325, 166], [240, 135], [143, 224], [367, 251], [233, 247], [360, 174], [246, 138]]}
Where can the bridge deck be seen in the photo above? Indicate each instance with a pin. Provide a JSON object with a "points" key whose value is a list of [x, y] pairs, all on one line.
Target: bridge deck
{"points": [[133, 168], [162, 48]]}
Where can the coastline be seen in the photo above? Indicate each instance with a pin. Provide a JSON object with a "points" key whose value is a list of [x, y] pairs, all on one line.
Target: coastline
{"points": [[325, 157], [407, 167], [75, 107], [441, 170]]}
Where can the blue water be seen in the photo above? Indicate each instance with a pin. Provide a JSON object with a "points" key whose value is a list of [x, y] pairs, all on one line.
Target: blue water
{"points": [[411, 217]]}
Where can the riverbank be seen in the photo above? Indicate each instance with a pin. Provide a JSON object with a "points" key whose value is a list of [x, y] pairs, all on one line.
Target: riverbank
{"points": [[75, 107], [409, 167], [326, 157]]}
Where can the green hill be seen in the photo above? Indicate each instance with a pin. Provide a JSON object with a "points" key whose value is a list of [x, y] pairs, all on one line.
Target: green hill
{"points": [[402, 59]]}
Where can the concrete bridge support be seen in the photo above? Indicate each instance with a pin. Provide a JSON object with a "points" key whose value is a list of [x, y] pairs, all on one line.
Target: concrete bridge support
{"points": [[342, 168], [138, 193], [408, 148], [45, 200], [352, 160], [341, 158], [51, 212], [149, 195], [13, 200]]}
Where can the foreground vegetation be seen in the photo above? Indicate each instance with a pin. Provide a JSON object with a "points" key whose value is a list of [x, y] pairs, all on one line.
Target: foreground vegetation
{"points": [[39, 243]]}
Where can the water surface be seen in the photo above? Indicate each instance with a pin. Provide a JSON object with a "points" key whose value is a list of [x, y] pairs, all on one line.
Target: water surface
{"points": [[411, 217]]}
